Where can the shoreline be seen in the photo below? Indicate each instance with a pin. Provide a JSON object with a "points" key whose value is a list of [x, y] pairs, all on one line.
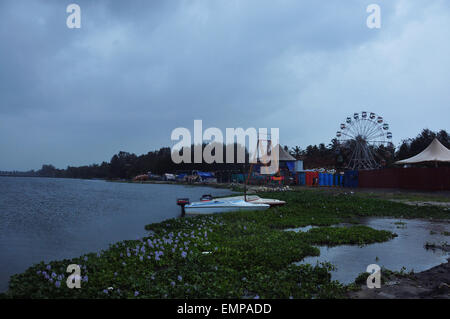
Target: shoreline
{"points": [[232, 235], [406, 196]]}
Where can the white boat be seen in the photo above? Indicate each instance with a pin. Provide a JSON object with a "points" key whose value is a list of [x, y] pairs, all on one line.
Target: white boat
{"points": [[222, 206], [254, 199]]}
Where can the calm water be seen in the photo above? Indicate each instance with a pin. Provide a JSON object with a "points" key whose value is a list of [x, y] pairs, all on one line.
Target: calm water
{"points": [[406, 250], [48, 219]]}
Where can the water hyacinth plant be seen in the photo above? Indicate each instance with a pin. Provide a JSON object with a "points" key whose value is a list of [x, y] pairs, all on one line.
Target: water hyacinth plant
{"points": [[233, 255]]}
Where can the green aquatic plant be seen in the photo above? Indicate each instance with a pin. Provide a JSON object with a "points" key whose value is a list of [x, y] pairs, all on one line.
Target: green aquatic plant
{"points": [[233, 255]]}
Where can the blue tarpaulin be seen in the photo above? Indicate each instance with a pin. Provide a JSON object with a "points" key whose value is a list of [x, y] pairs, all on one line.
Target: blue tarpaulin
{"points": [[291, 166], [205, 174]]}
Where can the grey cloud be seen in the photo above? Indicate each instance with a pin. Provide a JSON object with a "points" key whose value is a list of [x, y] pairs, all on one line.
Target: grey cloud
{"points": [[138, 69]]}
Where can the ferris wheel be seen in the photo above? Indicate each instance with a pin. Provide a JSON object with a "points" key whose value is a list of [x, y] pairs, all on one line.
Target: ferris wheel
{"points": [[362, 134]]}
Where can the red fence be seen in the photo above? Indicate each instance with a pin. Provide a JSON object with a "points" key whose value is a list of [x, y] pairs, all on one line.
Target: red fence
{"points": [[433, 179]]}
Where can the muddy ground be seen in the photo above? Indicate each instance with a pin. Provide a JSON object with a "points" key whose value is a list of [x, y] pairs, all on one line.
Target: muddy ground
{"points": [[430, 284]]}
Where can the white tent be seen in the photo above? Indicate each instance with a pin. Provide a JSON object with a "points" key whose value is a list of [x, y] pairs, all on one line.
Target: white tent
{"points": [[435, 152]]}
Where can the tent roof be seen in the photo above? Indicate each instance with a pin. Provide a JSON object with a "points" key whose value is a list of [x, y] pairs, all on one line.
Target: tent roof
{"points": [[283, 155], [435, 152]]}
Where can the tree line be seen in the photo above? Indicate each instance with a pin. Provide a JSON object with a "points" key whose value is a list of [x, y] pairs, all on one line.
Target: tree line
{"points": [[125, 165], [334, 155]]}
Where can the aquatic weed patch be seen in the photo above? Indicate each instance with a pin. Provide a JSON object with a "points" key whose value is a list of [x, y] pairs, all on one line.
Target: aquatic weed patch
{"points": [[233, 255], [200, 257], [304, 281], [355, 235], [185, 264], [328, 205]]}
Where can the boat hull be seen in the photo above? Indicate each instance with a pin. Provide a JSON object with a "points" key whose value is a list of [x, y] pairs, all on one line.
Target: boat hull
{"points": [[214, 206], [256, 200]]}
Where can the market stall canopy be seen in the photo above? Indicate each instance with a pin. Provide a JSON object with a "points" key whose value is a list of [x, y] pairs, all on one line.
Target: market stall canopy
{"points": [[435, 152]]}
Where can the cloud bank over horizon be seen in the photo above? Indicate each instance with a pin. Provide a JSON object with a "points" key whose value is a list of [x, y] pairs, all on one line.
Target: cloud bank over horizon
{"points": [[136, 70]]}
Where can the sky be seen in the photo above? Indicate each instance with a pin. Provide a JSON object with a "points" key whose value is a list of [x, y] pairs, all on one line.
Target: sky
{"points": [[137, 69]]}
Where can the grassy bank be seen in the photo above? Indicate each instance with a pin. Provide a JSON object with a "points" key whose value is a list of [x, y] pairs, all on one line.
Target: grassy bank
{"points": [[234, 255]]}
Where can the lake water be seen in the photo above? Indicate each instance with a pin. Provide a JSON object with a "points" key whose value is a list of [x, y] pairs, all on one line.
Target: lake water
{"points": [[407, 250], [49, 219]]}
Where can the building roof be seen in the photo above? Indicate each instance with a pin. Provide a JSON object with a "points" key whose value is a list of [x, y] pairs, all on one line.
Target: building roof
{"points": [[435, 152]]}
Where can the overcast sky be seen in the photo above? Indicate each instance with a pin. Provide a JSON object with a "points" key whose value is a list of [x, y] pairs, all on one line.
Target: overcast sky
{"points": [[138, 69]]}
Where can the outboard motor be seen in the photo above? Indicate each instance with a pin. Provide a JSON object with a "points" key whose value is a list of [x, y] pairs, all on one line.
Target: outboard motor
{"points": [[182, 202]]}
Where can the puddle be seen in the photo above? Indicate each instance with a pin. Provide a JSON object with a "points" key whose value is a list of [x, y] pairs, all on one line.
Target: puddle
{"points": [[406, 250], [307, 228], [301, 229]]}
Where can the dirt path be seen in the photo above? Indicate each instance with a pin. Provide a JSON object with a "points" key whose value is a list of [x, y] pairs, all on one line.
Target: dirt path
{"points": [[433, 283]]}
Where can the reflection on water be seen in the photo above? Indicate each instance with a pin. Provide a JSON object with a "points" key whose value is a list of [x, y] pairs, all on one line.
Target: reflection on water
{"points": [[301, 229], [48, 219], [406, 250]]}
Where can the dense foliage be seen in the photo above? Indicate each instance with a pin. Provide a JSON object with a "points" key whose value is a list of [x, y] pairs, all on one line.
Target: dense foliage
{"points": [[126, 165]]}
